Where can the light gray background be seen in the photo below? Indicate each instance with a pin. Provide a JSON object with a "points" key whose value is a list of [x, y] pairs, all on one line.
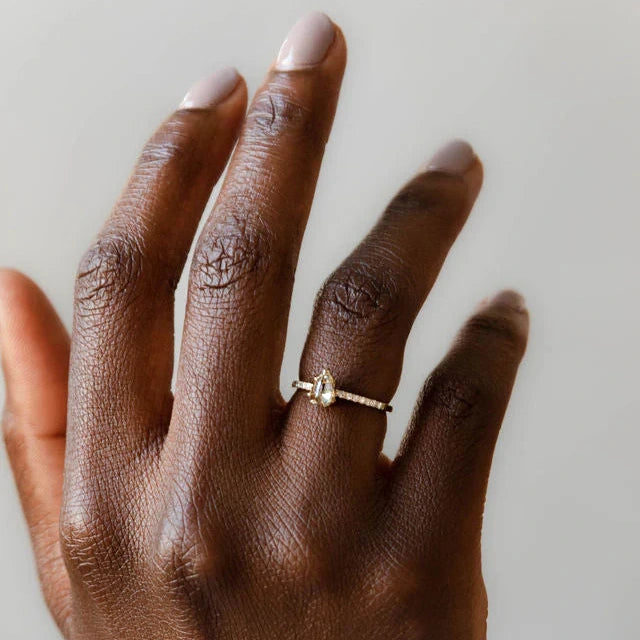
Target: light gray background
{"points": [[548, 92]]}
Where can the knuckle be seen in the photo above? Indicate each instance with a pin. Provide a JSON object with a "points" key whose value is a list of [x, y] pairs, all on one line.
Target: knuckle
{"points": [[502, 327], [109, 273], [276, 112], [302, 558], [235, 255], [454, 398], [399, 580], [399, 583], [306, 564], [95, 535], [439, 199], [177, 142], [81, 533], [358, 296], [184, 555]]}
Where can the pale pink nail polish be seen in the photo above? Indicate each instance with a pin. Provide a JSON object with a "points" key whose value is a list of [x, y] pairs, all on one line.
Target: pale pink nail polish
{"points": [[455, 158], [509, 298], [307, 43], [211, 90]]}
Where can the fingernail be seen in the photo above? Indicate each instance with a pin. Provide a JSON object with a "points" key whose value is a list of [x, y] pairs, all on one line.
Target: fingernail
{"points": [[211, 90], [307, 43], [455, 158], [511, 299]]}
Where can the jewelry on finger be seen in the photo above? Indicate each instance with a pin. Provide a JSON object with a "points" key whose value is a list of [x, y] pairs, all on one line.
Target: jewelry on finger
{"points": [[323, 391]]}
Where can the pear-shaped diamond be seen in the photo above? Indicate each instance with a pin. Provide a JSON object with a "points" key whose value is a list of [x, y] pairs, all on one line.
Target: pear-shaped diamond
{"points": [[323, 391]]}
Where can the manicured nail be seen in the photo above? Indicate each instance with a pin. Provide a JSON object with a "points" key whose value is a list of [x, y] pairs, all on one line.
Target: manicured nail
{"points": [[507, 298], [455, 158], [211, 90], [511, 299], [307, 43]]}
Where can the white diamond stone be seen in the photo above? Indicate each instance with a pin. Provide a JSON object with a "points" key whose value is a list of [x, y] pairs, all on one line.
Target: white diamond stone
{"points": [[323, 391]]}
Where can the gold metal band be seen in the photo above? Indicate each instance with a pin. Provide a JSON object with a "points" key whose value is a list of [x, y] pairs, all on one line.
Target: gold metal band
{"points": [[322, 391]]}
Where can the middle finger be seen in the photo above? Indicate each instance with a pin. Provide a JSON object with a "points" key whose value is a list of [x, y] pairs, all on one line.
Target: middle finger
{"points": [[242, 273]]}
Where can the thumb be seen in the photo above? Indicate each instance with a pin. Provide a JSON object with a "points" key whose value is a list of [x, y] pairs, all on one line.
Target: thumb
{"points": [[34, 346]]}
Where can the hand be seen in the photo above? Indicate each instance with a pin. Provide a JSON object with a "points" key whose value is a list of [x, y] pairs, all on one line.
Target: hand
{"points": [[223, 511]]}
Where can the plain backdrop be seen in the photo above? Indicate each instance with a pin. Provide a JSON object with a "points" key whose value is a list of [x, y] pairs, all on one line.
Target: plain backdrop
{"points": [[548, 92]]}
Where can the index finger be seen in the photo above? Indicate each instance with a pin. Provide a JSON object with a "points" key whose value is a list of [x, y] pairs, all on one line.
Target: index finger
{"points": [[122, 342]]}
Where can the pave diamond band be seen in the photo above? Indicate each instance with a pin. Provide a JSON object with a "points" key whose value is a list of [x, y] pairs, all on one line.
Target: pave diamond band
{"points": [[322, 391]]}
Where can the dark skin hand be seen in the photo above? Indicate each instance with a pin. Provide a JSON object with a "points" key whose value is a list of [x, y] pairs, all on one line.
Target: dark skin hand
{"points": [[219, 510]]}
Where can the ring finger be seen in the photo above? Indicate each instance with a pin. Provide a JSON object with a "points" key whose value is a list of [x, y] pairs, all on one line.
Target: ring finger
{"points": [[366, 308]]}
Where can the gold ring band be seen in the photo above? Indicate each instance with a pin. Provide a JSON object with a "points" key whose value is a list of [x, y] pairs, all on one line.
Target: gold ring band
{"points": [[322, 391]]}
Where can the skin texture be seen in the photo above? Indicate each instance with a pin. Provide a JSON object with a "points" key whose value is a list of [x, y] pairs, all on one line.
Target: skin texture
{"points": [[219, 510]]}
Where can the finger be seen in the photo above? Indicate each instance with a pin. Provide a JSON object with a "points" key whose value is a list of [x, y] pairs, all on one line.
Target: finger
{"points": [[242, 272], [35, 357], [440, 476], [121, 360], [366, 308]]}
